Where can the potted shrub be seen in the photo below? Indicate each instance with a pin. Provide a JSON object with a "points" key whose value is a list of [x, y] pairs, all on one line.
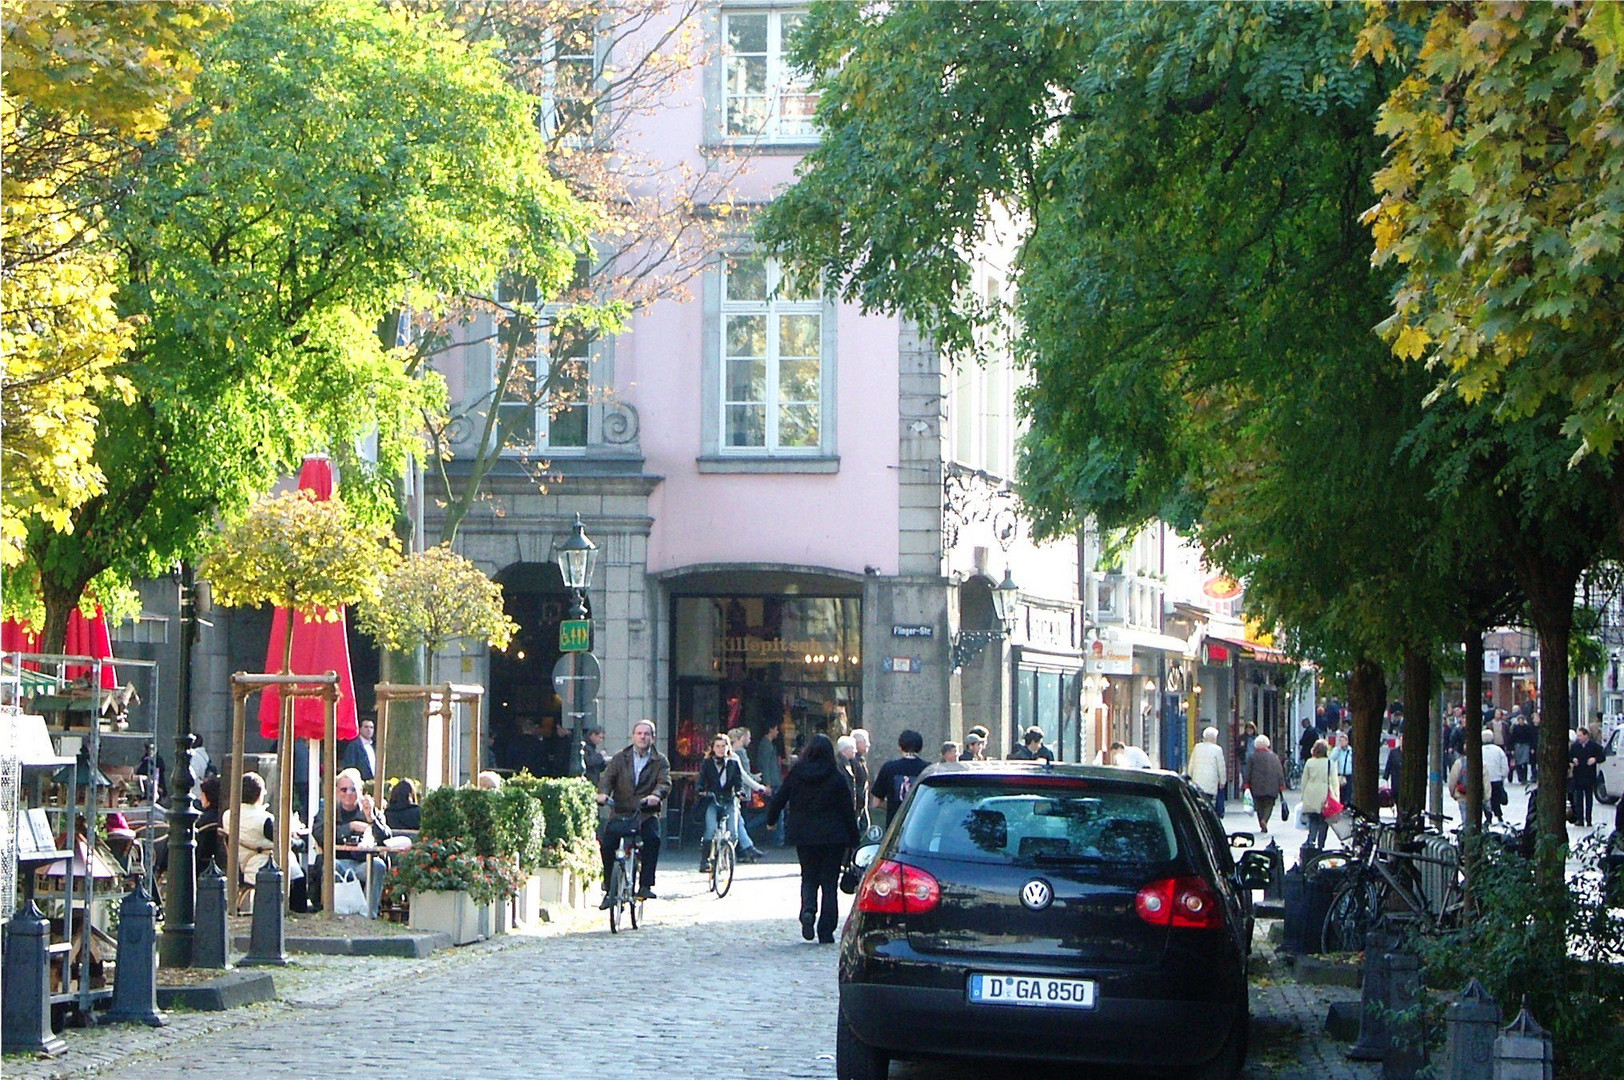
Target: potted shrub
{"points": [[474, 852], [568, 862]]}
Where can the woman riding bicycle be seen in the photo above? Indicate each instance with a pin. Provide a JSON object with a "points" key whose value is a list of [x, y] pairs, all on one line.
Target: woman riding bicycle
{"points": [[721, 782]]}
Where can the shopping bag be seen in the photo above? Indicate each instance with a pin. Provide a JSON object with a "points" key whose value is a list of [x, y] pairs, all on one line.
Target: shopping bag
{"points": [[1332, 808], [349, 895]]}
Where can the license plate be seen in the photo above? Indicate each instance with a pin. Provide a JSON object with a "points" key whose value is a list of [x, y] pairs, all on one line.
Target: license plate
{"points": [[988, 989]]}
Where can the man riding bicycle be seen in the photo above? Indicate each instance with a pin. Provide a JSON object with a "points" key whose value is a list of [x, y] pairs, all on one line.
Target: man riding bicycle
{"points": [[635, 782]]}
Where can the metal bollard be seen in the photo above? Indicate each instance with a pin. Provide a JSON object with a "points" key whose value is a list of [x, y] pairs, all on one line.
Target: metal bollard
{"points": [[1406, 1038], [265, 941], [1473, 1023], [1372, 1044], [211, 938], [1276, 889], [25, 1007], [135, 983], [1523, 1051]]}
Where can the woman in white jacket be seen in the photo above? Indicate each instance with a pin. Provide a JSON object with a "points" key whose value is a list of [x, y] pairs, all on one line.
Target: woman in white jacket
{"points": [[1320, 783]]}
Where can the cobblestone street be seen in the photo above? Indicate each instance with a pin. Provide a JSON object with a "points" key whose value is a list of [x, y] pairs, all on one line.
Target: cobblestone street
{"points": [[707, 988]]}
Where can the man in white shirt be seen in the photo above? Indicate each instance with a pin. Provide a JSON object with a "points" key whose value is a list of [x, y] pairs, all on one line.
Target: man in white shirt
{"points": [[1496, 768], [1208, 769], [362, 754]]}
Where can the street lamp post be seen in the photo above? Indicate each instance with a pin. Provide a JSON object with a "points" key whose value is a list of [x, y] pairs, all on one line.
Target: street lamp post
{"points": [[577, 557], [967, 644]]}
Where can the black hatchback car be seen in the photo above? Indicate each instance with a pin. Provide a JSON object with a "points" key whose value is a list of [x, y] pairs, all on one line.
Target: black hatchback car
{"points": [[1054, 913]]}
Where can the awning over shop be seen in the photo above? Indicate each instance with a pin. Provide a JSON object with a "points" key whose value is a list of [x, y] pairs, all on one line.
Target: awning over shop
{"points": [[1218, 650]]}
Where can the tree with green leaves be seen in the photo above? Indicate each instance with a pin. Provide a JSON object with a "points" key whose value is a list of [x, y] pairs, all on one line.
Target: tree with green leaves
{"points": [[337, 160], [433, 598]]}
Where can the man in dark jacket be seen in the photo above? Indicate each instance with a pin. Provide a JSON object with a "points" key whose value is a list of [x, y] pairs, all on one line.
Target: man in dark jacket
{"points": [[896, 776], [635, 782], [822, 824]]}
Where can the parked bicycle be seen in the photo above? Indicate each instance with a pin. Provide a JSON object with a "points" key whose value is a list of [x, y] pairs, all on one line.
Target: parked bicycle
{"points": [[1396, 873], [624, 906]]}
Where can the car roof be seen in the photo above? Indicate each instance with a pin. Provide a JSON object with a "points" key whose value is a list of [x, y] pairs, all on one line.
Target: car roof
{"points": [[1159, 779]]}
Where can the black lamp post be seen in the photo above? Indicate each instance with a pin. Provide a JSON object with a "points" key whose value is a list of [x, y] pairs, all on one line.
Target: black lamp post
{"points": [[577, 557], [967, 644]]}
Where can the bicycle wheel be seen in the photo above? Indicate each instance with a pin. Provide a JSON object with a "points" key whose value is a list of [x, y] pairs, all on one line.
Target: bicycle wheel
{"points": [[1354, 911], [722, 871], [617, 878], [634, 906]]}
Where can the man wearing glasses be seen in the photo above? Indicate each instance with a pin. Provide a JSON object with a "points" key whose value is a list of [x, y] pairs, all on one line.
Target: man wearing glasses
{"points": [[360, 824]]}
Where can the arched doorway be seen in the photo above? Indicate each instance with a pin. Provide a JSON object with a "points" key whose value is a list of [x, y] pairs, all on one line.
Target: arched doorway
{"points": [[524, 709]]}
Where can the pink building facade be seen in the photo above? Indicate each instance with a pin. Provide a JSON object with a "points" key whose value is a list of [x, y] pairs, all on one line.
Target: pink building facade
{"points": [[800, 508]]}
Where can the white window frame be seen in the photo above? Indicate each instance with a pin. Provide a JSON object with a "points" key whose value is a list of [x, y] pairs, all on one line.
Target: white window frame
{"points": [[782, 81], [541, 363], [771, 309]]}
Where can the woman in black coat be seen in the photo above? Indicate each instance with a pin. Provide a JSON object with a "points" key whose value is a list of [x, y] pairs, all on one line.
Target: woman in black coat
{"points": [[822, 825]]}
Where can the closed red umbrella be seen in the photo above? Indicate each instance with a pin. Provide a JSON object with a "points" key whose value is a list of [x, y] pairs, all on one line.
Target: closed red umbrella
{"points": [[85, 637], [318, 646]]}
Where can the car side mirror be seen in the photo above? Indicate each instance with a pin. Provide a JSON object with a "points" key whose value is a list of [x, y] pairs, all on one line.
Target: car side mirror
{"points": [[1241, 840], [865, 855], [1254, 870]]}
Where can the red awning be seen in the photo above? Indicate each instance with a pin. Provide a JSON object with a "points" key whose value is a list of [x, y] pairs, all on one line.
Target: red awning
{"points": [[318, 646], [1251, 650], [85, 637]]}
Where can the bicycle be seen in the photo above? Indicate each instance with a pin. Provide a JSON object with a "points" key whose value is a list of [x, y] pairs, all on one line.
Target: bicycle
{"points": [[624, 905], [722, 855], [1395, 873]]}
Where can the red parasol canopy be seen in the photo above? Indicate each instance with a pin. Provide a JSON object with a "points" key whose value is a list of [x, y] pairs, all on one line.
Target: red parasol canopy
{"points": [[318, 646], [86, 637]]}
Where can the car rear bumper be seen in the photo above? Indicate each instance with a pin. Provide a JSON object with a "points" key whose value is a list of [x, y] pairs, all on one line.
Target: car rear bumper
{"points": [[1143, 1032]]}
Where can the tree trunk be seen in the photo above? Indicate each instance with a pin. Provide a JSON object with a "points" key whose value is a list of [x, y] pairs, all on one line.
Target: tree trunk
{"points": [[1474, 734], [1367, 697], [1411, 793], [1549, 585], [60, 600]]}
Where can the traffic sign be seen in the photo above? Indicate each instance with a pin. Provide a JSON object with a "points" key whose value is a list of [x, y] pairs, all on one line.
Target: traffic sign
{"points": [[575, 635], [576, 677]]}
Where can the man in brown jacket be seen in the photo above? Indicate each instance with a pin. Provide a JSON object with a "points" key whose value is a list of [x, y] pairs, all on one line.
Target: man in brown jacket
{"points": [[635, 784]]}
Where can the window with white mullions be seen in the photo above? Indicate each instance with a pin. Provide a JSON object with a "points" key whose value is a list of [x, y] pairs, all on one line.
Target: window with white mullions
{"points": [[772, 354], [543, 405], [562, 66], [765, 95]]}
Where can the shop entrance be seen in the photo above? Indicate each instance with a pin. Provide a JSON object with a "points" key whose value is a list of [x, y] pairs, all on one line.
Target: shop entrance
{"points": [[525, 712]]}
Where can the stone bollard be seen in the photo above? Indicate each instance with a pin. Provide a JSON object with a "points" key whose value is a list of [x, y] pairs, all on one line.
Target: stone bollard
{"points": [[1523, 1051], [1406, 1033], [265, 940], [1276, 888], [211, 936], [135, 983], [25, 1007], [1372, 1044], [1473, 1022]]}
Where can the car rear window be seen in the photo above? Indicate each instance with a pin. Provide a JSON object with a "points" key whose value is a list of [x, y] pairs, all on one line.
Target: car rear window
{"points": [[1003, 823]]}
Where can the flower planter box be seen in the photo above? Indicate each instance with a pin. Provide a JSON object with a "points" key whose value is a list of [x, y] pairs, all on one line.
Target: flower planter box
{"points": [[553, 885], [453, 913]]}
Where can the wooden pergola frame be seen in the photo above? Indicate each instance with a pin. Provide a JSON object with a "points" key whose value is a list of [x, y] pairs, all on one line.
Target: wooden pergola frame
{"points": [[441, 699], [325, 687]]}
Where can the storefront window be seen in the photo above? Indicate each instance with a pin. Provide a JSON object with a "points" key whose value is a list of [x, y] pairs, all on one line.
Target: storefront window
{"points": [[1048, 699], [762, 662]]}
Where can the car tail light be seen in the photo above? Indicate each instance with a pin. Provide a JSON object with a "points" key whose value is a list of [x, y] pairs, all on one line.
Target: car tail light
{"points": [[891, 888], [1181, 902]]}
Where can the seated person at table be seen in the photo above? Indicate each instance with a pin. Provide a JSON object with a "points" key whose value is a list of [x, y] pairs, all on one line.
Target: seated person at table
{"points": [[403, 811], [357, 823], [208, 825], [256, 832], [488, 780]]}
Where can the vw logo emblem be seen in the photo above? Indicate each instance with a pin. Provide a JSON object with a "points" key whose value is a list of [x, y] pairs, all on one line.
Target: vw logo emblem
{"points": [[1036, 894]]}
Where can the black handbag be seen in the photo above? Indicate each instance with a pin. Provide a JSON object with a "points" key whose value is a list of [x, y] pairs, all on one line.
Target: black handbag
{"points": [[1285, 811]]}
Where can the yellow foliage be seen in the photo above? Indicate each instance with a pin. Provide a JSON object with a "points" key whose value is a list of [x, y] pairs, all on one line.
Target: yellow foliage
{"points": [[433, 598]]}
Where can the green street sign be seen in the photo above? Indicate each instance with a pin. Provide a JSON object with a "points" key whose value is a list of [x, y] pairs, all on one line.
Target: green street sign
{"points": [[575, 635]]}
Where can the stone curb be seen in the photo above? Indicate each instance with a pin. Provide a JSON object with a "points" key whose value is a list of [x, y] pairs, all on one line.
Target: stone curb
{"points": [[409, 946], [233, 989], [1312, 971]]}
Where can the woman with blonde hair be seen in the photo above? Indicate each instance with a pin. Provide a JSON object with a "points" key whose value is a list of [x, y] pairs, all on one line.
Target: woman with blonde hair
{"points": [[1320, 783]]}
